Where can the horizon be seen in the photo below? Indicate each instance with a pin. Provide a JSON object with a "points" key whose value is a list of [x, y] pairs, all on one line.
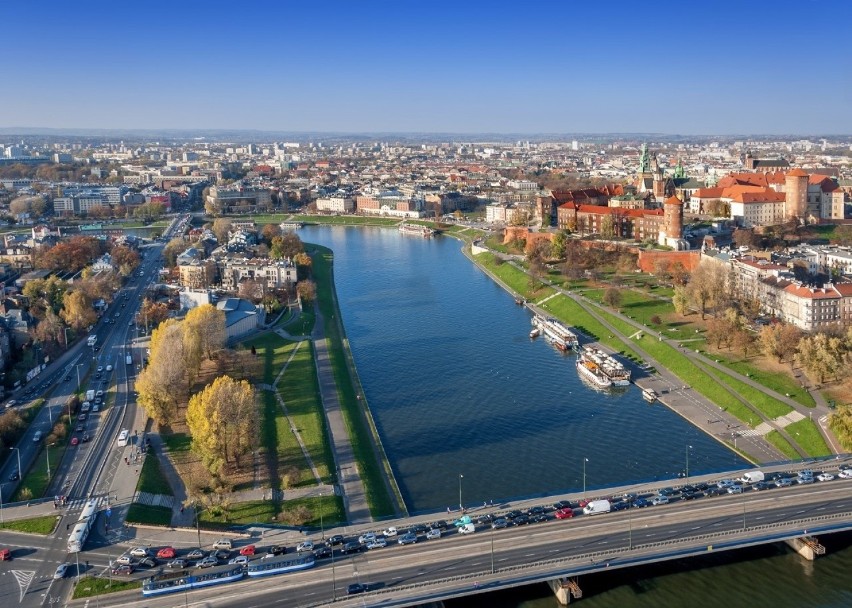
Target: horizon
{"points": [[411, 68]]}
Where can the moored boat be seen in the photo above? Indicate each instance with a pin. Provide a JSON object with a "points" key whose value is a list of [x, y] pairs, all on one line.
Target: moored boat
{"points": [[649, 395], [535, 333], [417, 229], [590, 371], [556, 333], [608, 365]]}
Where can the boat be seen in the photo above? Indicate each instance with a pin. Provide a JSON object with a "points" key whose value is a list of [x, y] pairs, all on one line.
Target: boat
{"points": [[591, 371], [535, 333], [608, 365], [556, 333], [649, 395], [520, 301], [185, 580], [417, 229], [280, 565]]}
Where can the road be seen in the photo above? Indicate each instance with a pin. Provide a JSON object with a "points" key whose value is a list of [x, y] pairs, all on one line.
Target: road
{"points": [[89, 469], [460, 565]]}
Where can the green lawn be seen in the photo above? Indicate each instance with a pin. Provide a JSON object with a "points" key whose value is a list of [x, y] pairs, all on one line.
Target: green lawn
{"points": [[36, 525], [806, 434], [152, 479], [517, 280], [274, 351], [331, 508], [301, 324], [363, 437], [90, 586], [779, 382], [149, 515], [300, 392], [778, 440], [276, 438], [769, 406], [177, 442], [267, 511]]}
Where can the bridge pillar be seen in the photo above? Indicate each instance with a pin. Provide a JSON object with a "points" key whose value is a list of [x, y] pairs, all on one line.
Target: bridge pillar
{"points": [[564, 589], [806, 546]]}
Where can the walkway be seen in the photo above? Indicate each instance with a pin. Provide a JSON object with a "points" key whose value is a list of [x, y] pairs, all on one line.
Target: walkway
{"points": [[349, 479]]}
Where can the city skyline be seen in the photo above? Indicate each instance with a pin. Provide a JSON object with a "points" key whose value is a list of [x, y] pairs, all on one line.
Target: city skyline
{"points": [[390, 68]]}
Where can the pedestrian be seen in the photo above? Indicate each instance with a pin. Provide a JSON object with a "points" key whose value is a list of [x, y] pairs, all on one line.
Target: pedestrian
{"points": [[448, 509], [181, 509]]}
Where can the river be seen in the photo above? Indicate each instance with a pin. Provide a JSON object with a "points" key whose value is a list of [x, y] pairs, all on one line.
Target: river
{"points": [[471, 410]]}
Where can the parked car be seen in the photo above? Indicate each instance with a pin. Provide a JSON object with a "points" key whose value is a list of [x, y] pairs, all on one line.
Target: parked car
{"points": [[124, 560], [825, 477], [148, 562], [177, 564], [208, 562], [5, 555], [85, 438], [248, 550], [166, 553], [565, 513], [195, 554], [139, 552]]}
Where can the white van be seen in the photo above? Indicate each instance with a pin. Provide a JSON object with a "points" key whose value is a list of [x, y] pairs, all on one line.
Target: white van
{"points": [[467, 529], [122, 438], [37, 437], [597, 506], [753, 477]]}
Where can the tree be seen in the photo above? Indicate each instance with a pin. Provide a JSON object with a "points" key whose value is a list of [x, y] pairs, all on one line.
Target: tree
{"points": [[125, 259], [306, 290], [173, 249], [45, 294], [304, 265], [221, 227], [612, 297], [209, 322], [662, 269], [558, 245], [223, 420], [286, 246], [77, 310], [679, 273], [680, 300], [269, 232], [706, 287], [780, 340], [821, 355], [163, 382], [152, 313]]}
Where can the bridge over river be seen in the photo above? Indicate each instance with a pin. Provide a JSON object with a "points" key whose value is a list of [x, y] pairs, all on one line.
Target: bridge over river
{"points": [[556, 551]]}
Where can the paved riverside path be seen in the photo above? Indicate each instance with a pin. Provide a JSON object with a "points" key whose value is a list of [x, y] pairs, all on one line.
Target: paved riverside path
{"points": [[349, 479]]}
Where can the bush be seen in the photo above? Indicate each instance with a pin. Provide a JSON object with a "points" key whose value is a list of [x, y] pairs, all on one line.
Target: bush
{"points": [[656, 320]]}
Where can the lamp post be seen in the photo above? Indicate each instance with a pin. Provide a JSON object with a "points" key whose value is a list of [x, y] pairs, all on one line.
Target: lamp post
{"points": [[47, 459], [66, 338], [1, 503], [20, 471], [78, 375], [197, 527], [585, 460], [461, 505], [689, 447], [492, 549]]}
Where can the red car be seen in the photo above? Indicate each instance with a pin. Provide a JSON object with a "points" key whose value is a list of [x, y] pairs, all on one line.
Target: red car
{"points": [[247, 550], [166, 553], [74, 441], [565, 513]]}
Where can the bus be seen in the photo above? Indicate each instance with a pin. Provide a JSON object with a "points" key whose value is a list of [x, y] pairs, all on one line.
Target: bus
{"points": [[82, 527], [122, 438]]}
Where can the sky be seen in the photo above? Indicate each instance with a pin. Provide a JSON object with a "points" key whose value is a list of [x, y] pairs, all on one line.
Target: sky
{"points": [[463, 66]]}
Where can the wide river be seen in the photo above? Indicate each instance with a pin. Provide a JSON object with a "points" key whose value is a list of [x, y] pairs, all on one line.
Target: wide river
{"points": [[467, 404]]}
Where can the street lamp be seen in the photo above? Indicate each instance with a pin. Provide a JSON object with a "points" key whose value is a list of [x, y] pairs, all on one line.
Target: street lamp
{"points": [[78, 375], [585, 460], [47, 459], [461, 507], [689, 447], [20, 471], [66, 338]]}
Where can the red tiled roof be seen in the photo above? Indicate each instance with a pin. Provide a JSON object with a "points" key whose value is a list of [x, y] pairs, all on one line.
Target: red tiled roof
{"points": [[673, 200], [825, 183], [708, 193], [814, 294], [796, 173]]}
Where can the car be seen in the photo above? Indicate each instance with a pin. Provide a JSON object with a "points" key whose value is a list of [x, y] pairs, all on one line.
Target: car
{"points": [[541, 517], [166, 553], [806, 473], [195, 554], [520, 520], [433, 533], [14, 475], [725, 483], [305, 545], [407, 539], [761, 485], [240, 559], [692, 495], [221, 554], [223, 543], [735, 489], [667, 492], [100, 368], [500, 522], [804, 480], [365, 538], [660, 500], [845, 474], [79, 428], [619, 505], [177, 564], [60, 571], [440, 524], [537, 510], [355, 588], [323, 551], [783, 482], [641, 503], [561, 504], [390, 532], [82, 416], [513, 514], [123, 569], [139, 552], [74, 441], [67, 378], [5, 555], [377, 543], [208, 562], [148, 562], [420, 529], [825, 477], [100, 393], [353, 546], [96, 407], [337, 539], [565, 513], [274, 550], [124, 559]]}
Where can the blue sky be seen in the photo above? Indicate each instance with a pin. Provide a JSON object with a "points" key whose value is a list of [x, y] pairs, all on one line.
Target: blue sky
{"points": [[718, 67]]}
